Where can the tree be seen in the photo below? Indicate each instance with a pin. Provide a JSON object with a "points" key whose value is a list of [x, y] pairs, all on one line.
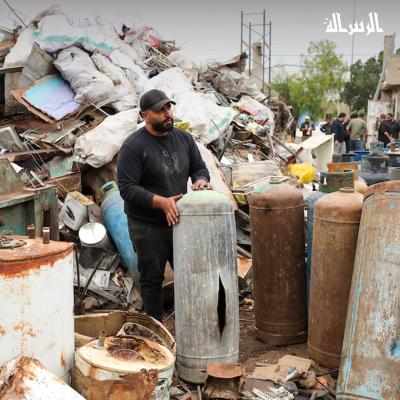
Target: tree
{"points": [[320, 78], [364, 78]]}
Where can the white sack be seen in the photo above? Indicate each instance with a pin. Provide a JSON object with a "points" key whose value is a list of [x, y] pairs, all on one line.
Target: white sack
{"points": [[22, 49], [99, 146], [57, 32], [124, 94], [76, 67]]}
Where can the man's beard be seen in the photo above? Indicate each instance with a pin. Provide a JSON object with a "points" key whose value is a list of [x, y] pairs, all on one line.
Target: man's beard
{"points": [[163, 126]]}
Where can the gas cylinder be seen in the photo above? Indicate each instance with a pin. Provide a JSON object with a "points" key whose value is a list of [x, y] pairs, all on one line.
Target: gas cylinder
{"points": [[37, 297], [370, 365], [112, 211], [310, 206], [278, 248], [336, 222], [206, 284]]}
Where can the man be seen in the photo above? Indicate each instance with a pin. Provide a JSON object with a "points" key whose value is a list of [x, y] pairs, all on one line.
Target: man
{"points": [[326, 127], [392, 127], [358, 130], [345, 124], [154, 165], [337, 129], [383, 134], [307, 128], [293, 128]]}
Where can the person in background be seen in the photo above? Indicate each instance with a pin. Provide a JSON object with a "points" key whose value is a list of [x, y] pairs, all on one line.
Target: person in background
{"points": [[358, 130], [346, 123], [337, 129], [326, 128], [393, 126], [293, 129], [307, 127], [383, 134]]}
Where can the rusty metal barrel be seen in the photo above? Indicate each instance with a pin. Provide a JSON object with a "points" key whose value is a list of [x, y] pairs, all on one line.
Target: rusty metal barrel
{"points": [[336, 223], [370, 366], [278, 248]]}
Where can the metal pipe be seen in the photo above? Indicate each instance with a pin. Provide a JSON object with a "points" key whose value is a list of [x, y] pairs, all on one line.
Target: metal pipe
{"points": [[31, 231], [263, 55], [249, 48], [46, 235], [269, 62], [241, 32], [102, 337]]}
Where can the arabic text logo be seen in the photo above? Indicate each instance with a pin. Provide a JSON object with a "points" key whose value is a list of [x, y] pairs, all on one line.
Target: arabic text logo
{"points": [[334, 25]]}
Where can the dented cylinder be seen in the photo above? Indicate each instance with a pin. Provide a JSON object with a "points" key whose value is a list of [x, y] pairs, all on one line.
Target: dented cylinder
{"points": [[206, 284], [36, 307], [336, 222], [370, 365], [278, 248]]}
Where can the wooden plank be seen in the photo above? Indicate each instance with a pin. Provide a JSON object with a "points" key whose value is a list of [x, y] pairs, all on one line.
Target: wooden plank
{"points": [[25, 155]]}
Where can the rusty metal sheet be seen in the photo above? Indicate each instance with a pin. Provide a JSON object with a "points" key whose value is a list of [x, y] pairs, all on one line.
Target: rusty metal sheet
{"points": [[138, 386], [25, 378], [224, 371]]}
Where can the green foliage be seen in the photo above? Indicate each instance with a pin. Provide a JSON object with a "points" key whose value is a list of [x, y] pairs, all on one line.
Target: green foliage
{"points": [[364, 78], [320, 79]]}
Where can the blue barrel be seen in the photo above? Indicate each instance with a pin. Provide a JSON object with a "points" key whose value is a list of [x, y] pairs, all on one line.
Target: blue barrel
{"points": [[310, 204], [360, 154], [370, 365], [116, 221]]}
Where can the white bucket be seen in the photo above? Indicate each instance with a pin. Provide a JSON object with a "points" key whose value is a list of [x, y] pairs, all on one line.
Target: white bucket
{"points": [[94, 234]]}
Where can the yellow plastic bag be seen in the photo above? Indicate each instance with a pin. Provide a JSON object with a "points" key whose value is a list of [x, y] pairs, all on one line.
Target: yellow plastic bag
{"points": [[304, 173]]}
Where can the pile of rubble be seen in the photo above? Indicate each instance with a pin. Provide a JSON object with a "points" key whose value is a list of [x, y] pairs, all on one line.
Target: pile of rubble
{"points": [[71, 89]]}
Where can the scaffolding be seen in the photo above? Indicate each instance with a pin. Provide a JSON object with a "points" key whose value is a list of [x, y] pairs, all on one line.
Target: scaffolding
{"points": [[256, 42]]}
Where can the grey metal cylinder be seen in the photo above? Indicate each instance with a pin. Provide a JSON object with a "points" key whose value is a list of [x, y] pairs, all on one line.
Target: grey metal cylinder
{"points": [[333, 181], [206, 285]]}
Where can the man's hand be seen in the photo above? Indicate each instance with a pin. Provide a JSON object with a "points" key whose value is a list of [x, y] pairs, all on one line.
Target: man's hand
{"points": [[201, 184], [168, 205], [337, 142]]}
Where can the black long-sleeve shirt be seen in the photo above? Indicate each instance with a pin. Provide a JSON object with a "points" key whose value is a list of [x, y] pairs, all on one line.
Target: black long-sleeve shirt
{"points": [[337, 129], [149, 165]]}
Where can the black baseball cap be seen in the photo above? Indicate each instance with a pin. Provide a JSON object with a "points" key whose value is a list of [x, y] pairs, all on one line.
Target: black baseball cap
{"points": [[154, 100]]}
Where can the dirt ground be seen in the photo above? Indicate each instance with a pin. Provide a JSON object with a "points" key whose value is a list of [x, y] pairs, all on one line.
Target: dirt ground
{"points": [[251, 350]]}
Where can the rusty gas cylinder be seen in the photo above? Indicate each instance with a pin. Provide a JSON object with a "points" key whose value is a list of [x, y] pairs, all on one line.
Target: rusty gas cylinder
{"points": [[370, 365], [336, 222], [278, 248], [37, 297]]}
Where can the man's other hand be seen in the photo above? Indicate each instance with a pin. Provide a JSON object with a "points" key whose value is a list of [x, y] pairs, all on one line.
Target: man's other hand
{"points": [[168, 205], [202, 184]]}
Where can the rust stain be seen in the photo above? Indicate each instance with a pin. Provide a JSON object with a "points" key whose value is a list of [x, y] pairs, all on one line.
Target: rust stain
{"points": [[133, 348], [2, 331], [138, 386], [26, 262], [25, 328], [63, 362]]}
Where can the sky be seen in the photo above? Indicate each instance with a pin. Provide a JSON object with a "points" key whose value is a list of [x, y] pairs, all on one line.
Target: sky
{"points": [[210, 29]]}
